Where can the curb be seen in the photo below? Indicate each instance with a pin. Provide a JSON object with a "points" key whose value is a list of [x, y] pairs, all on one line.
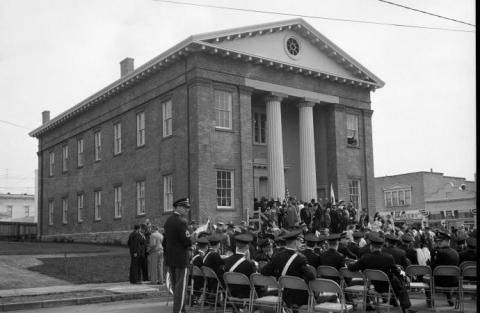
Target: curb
{"points": [[78, 301]]}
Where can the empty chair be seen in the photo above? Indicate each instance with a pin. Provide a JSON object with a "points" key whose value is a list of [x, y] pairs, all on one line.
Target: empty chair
{"points": [[321, 285], [237, 290], [468, 284], [265, 292], [440, 273], [357, 286], [379, 276], [329, 272], [218, 293], [467, 263], [424, 284], [294, 292]]}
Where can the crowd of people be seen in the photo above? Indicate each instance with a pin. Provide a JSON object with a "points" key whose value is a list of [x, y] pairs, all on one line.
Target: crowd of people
{"points": [[292, 235]]}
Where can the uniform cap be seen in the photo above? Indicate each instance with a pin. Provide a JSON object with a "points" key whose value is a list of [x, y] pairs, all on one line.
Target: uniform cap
{"points": [[185, 202], [333, 237], [220, 223], [202, 240], [358, 234], [471, 242], [215, 238], [244, 238], [391, 238], [376, 240], [310, 237], [203, 234], [290, 235], [442, 235], [407, 238]]}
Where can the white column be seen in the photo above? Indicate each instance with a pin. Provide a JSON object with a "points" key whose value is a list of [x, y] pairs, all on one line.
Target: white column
{"points": [[308, 177], [275, 166]]}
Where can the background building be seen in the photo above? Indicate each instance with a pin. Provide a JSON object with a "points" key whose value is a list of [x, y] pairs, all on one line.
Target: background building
{"points": [[18, 208], [433, 197], [221, 118]]}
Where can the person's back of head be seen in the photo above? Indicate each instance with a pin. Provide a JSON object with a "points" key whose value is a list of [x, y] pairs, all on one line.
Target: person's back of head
{"points": [[136, 227]]}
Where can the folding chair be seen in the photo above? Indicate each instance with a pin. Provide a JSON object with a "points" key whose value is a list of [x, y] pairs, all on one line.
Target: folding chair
{"points": [[379, 276], [294, 283], [358, 286], [238, 279], [324, 271], [469, 283], [446, 271], [467, 263], [208, 273], [312, 269], [195, 272], [321, 285], [270, 284], [412, 271]]}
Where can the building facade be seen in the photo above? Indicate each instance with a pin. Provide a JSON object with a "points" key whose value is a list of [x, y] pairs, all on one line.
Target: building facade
{"points": [[18, 208], [429, 198], [221, 118]]}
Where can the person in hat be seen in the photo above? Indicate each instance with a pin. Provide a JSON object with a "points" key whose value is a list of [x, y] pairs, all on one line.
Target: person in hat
{"points": [[214, 261], [312, 257], [470, 253], [354, 245], [241, 263], [332, 257], [176, 246], [384, 262], [399, 255], [290, 262], [197, 260], [343, 247], [135, 244], [264, 255], [407, 245]]}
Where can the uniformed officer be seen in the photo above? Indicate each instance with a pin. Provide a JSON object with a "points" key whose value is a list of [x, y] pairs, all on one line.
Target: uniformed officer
{"points": [[399, 255], [197, 260], [384, 262], [444, 255], [214, 260], [240, 263], [264, 255], [290, 262], [366, 248], [312, 257], [343, 247], [177, 245], [332, 257], [354, 245], [408, 246], [470, 253]]}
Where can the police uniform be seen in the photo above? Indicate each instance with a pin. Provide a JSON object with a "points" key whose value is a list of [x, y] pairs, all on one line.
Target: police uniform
{"points": [[290, 262], [261, 257], [354, 245], [399, 255], [197, 260], [239, 263], [313, 258], [410, 252], [343, 248], [177, 245], [470, 254], [332, 257]]}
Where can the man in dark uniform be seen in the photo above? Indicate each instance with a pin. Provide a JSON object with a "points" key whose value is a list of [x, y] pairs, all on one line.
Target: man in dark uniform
{"points": [[263, 256], [290, 262], [460, 238], [470, 254], [312, 258], [145, 233], [177, 245], [240, 263], [214, 261], [384, 262], [343, 247], [410, 251], [399, 255], [332, 257], [135, 246], [444, 255], [197, 260], [354, 245]]}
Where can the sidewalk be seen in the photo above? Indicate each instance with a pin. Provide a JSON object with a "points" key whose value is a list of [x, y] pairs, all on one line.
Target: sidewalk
{"points": [[67, 295]]}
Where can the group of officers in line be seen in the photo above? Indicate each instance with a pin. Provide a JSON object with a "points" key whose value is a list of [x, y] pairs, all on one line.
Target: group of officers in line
{"points": [[290, 252]]}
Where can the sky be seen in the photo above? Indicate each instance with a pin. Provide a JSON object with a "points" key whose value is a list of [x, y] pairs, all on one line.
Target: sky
{"points": [[56, 53]]}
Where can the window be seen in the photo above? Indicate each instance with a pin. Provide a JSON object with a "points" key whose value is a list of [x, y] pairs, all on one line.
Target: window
{"points": [[395, 198], [51, 162], [354, 193], [9, 213], [167, 118], [117, 138], [64, 210], [352, 130], [224, 189], [97, 204], [259, 124], [80, 153], [141, 197], [98, 145], [65, 158], [118, 201], [27, 211], [50, 212], [168, 193], [399, 197], [140, 129], [388, 199], [80, 199], [223, 109]]}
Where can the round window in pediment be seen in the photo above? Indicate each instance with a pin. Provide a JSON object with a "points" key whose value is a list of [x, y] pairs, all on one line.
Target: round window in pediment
{"points": [[292, 47]]}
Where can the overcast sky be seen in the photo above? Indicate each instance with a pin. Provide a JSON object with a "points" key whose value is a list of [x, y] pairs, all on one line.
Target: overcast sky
{"points": [[54, 54]]}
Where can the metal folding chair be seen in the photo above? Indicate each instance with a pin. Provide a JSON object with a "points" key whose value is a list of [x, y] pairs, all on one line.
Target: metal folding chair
{"points": [[446, 271], [358, 286], [378, 297], [312, 269], [237, 279], [413, 272], [469, 283], [328, 272], [294, 283], [208, 273], [467, 263], [272, 288], [195, 272], [321, 285]]}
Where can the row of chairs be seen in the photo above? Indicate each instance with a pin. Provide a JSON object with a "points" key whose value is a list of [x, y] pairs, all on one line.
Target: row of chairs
{"points": [[360, 287]]}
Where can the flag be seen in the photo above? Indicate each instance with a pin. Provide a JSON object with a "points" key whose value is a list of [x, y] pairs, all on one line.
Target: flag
{"points": [[204, 227], [332, 194]]}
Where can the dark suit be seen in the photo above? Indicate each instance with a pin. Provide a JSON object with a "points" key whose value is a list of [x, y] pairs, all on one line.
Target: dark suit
{"points": [[214, 261], [176, 245], [343, 249], [363, 250], [313, 258], [355, 248], [384, 262], [412, 255], [399, 256], [297, 268], [197, 260], [246, 267], [445, 256], [332, 258], [468, 255], [136, 246]]}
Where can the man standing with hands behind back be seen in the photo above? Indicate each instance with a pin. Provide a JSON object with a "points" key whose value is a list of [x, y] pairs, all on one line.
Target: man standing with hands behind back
{"points": [[177, 245]]}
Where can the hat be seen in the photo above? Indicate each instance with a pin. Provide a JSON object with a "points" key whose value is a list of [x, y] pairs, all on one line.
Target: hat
{"points": [[291, 235], [333, 237], [376, 240], [185, 202], [471, 242], [391, 238], [243, 238], [358, 234], [214, 239], [263, 243], [407, 238], [202, 240], [442, 235], [220, 223], [310, 237]]}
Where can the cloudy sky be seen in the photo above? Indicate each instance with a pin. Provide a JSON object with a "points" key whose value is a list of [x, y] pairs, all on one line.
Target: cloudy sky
{"points": [[54, 54]]}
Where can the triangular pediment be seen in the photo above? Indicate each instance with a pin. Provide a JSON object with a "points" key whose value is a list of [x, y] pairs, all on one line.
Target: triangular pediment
{"points": [[293, 43], [397, 186]]}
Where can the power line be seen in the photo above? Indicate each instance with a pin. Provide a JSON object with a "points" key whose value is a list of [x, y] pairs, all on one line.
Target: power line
{"points": [[428, 13], [315, 17], [13, 124]]}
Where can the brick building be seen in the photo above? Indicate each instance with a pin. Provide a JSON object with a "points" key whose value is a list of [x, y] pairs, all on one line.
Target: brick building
{"points": [[18, 208], [221, 117], [427, 197]]}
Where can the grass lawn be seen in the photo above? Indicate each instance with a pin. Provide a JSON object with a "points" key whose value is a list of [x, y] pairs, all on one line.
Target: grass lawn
{"points": [[82, 270], [24, 248]]}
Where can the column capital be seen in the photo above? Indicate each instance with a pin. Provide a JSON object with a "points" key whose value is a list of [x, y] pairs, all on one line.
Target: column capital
{"points": [[275, 96], [305, 104], [367, 112]]}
